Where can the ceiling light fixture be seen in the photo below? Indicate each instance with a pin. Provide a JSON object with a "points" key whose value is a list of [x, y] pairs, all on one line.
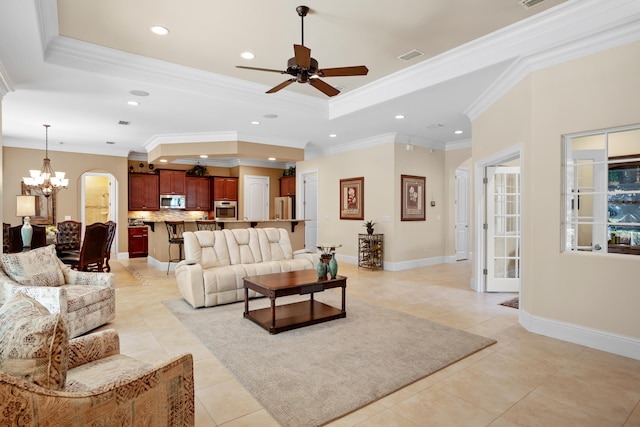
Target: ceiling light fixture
{"points": [[400, 116], [204, 156], [272, 159], [163, 160], [247, 55], [332, 135], [159, 30], [134, 103], [45, 181], [458, 132], [255, 122]]}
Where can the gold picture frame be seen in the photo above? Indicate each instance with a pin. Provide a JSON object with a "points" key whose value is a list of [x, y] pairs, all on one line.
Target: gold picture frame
{"points": [[352, 198], [413, 193], [45, 207]]}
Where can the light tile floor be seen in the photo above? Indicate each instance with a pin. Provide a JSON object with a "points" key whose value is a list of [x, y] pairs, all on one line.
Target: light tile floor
{"points": [[523, 380]]}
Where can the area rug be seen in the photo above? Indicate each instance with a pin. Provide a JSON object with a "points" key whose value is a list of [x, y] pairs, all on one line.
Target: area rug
{"points": [[513, 303], [312, 375]]}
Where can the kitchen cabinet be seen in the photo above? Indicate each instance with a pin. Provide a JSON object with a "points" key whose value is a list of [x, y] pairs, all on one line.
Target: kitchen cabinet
{"points": [[138, 242], [172, 181], [224, 188], [143, 192], [624, 206], [288, 186], [197, 193]]}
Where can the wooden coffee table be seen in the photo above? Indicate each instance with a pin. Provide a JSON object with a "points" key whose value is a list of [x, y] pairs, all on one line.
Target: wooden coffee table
{"points": [[284, 317]]}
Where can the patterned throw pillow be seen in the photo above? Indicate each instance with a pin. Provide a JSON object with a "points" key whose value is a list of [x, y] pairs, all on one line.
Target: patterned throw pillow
{"points": [[38, 267], [34, 344]]}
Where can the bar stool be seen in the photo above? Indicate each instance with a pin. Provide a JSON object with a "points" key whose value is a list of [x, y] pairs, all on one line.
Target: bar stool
{"points": [[205, 225], [174, 231]]}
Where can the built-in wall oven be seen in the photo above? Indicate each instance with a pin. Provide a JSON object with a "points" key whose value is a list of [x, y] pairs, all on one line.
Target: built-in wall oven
{"points": [[225, 209]]}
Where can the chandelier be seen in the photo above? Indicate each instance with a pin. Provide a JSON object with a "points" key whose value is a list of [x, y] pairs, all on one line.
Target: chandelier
{"points": [[45, 181]]}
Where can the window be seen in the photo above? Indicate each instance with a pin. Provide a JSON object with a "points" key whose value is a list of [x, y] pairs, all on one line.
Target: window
{"points": [[601, 197]]}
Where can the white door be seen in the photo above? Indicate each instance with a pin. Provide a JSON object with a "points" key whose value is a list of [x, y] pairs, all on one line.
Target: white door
{"points": [[310, 210], [256, 198], [503, 229], [462, 214]]}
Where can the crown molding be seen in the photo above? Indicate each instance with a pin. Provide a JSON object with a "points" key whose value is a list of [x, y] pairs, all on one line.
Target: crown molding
{"points": [[615, 36], [5, 82], [457, 145], [47, 11], [194, 137], [549, 29]]}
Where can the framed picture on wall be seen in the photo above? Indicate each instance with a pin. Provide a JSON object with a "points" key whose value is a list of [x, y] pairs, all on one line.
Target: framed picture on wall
{"points": [[45, 207], [412, 194], [352, 198]]}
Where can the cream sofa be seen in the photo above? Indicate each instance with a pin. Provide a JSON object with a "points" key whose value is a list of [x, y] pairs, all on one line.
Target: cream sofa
{"points": [[217, 261], [85, 300]]}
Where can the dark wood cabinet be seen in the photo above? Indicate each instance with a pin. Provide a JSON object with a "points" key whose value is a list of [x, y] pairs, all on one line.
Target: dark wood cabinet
{"points": [[143, 192], [288, 186], [172, 181], [197, 193], [224, 188], [138, 242]]}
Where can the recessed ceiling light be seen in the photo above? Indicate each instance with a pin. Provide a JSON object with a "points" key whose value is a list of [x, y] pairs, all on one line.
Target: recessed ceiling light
{"points": [[255, 122], [270, 116], [332, 135], [163, 160], [134, 103], [458, 132], [139, 92], [159, 30], [204, 156], [272, 158], [247, 55], [400, 116]]}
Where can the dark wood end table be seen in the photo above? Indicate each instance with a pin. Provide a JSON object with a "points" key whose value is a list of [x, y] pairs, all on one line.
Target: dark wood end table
{"points": [[285, 317]]}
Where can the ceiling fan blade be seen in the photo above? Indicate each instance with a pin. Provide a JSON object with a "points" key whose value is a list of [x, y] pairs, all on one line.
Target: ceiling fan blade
{"points": [[323, 87], [281, 86], [261, 69], [359, 70], [303, 56]]}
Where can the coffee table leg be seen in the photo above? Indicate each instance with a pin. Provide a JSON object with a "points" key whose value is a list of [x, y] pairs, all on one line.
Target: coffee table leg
{"points": [[246, 301], [273, 313], [344, 294]]}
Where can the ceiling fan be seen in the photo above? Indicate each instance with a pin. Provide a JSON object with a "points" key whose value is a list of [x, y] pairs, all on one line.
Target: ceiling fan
{"points": [[304, 68]]}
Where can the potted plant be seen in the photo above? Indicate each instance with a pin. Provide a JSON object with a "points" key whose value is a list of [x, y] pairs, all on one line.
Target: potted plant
{"points": [[198, 170], [369, 226]]}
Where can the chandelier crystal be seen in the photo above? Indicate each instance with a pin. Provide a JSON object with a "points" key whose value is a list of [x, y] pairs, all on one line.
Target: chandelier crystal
{"points": [[45, 181]]}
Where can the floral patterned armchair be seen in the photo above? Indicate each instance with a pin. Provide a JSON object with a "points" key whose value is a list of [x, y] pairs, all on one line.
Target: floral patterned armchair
{"points": [[48, 380], [85, 300]]}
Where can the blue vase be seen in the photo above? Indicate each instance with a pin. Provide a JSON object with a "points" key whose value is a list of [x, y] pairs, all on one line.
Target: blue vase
{"points": [[333, 266], [322, 270]]}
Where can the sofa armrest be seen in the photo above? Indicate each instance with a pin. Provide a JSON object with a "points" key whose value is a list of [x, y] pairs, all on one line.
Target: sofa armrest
{"points": [[52, 297], [74, 277], [91, 347], [311, 256], [162, 395], [190, 278]]}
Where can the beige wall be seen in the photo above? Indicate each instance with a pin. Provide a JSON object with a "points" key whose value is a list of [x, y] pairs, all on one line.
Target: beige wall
{"points": [[17, 162], [600, 292], [381, 167]]}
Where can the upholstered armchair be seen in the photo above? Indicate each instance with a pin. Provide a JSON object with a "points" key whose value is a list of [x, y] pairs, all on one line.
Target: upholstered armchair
{"points": [[85, 300], [48, 380]]}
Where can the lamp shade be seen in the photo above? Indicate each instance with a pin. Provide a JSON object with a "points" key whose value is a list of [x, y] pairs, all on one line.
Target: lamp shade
{"points": [[25, 205]]}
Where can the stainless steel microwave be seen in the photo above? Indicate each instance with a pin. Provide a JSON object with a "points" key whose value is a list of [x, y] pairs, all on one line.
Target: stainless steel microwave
{"points": [[172, 201]]}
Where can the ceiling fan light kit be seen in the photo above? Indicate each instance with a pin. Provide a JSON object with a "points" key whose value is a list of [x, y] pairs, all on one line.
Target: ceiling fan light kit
{"points": [[305, 69]]}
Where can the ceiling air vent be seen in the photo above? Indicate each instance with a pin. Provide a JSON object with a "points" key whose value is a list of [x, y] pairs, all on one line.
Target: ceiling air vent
{"points": [[410, 55], [527, 4], [124, 123]]}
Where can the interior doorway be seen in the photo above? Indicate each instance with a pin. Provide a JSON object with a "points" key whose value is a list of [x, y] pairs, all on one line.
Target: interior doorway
{"points": [[98, 203], [256, 198], [498, 207], [462, 213], [309, 207]]}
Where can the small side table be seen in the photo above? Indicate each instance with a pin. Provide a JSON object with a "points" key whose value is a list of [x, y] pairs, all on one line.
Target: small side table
{"points": [[371, 251]]}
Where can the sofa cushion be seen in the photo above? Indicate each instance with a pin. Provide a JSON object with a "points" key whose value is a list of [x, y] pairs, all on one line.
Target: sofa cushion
{"points": [[33, 343], [38, 267]]}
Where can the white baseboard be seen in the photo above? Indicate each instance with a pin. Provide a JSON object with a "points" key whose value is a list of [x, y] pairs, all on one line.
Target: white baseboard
{"points": [[398, 266], [601, 340]]}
